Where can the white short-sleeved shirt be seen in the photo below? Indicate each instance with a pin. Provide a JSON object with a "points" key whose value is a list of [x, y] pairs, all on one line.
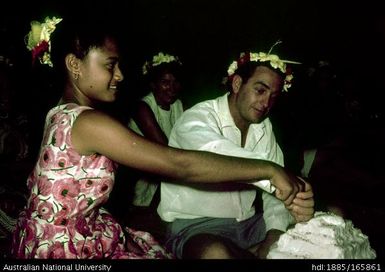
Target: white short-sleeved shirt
{"points": [[209, 126]]}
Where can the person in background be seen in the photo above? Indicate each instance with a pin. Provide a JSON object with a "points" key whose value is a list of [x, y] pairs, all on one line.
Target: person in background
{"points": [[156, 114], [82, 147], [228, 221]]}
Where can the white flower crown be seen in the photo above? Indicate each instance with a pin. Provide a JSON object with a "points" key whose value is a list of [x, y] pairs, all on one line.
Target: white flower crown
{"points": [[38, 39], [158, 60], [274, 61]]}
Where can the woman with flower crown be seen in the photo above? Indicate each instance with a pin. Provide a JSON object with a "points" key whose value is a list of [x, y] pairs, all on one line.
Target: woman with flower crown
{"points": [[152, 117], [156, 113], [82, 146]]}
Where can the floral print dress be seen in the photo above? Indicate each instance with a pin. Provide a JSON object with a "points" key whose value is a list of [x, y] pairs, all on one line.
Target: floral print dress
{"points": [[63, 217]]}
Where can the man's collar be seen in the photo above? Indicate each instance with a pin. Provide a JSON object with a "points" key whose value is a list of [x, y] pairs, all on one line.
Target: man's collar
{"points": [[224, 110]]}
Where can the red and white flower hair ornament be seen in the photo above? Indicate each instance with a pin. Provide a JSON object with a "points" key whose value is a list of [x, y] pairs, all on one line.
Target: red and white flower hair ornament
{"points": [[273, 60], [38, 39]]}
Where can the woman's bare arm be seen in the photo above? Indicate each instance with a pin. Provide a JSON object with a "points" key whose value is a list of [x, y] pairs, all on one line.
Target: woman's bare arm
{"points": [[146, 122], [96, 132]]}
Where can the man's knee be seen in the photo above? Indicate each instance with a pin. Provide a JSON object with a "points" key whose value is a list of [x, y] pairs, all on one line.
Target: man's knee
{"points": [[206, 246]]}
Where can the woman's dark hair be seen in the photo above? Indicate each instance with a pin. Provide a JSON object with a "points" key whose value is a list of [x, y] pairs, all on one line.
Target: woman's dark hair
{"points": [[156, 72], [76, 37]]}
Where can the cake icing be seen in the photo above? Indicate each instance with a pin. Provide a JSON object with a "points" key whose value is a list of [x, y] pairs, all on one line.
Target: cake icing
{"points": [[325, 236]]}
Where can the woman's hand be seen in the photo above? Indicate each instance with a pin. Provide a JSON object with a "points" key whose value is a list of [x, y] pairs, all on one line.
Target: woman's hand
{"points": [[302, 207]]}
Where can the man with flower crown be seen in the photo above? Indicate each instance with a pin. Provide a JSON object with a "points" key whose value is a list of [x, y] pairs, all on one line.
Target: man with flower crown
{"points": [[218, 221]]}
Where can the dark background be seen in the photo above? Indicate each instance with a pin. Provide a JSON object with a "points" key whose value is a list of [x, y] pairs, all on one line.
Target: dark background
{"points": [[207, 36]]}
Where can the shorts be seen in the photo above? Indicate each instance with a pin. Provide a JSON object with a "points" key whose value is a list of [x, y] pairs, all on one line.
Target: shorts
{"points": [[245, 233]]}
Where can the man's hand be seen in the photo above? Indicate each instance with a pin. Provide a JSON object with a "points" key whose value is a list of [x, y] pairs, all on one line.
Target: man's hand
{"points": [[302, 207], [287, 185]]}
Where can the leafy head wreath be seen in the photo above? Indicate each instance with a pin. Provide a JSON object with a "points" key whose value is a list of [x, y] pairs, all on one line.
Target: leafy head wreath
{"points": [[38, 39], [158, 60], [274, 61]]}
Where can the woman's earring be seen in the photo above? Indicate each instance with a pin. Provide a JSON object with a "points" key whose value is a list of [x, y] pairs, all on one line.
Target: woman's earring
{"points": [[76, 76]]}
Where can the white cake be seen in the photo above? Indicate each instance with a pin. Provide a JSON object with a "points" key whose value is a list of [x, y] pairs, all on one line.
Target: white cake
{"points": [[326, 236]]}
